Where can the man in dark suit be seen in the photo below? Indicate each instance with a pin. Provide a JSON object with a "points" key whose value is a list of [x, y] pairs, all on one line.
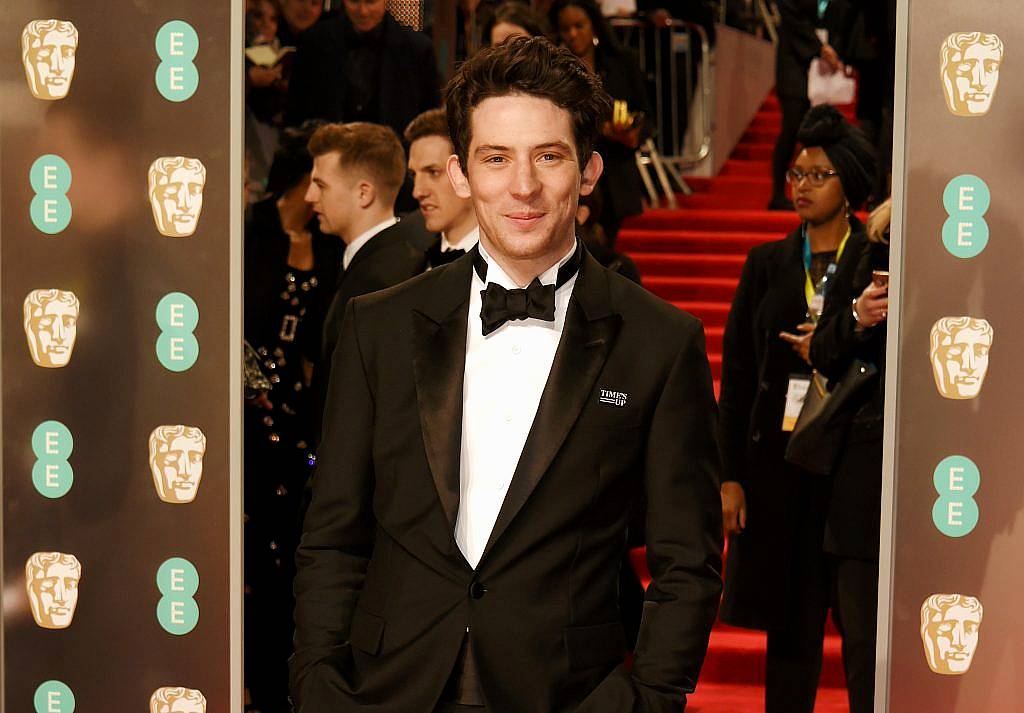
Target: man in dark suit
{"points": [[362, 65], [489, 424], [358, 169], [444, 212]]}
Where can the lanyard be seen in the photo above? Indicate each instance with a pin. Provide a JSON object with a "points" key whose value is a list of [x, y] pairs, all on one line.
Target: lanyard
{"points": [[810, 289]]}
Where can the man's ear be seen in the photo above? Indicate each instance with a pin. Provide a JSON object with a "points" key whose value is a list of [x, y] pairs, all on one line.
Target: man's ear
{"points": [[367, 194], [593, 171], [458, 178]]}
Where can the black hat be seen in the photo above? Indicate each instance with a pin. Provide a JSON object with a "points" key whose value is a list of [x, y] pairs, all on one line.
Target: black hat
{"points": [[846, 147]]}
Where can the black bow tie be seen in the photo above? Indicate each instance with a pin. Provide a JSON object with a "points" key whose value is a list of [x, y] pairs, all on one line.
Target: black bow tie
{"points": [[437, 257], [535, 301]]}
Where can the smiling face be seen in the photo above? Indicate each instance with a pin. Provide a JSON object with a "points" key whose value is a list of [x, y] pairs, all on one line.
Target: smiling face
{"points": [[52, 583], [48, 53], [443, 210], [524, 178]]}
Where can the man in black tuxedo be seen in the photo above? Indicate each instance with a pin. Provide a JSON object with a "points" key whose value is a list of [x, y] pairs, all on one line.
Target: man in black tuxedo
{"points": [[488, 425], [443, 211], [358, 169], [362, 65]]}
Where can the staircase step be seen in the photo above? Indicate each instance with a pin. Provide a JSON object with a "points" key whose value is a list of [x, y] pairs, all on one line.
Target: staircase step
{"points": [[712, 314], [753, 152], [713, 336], [738, 656], [688, 265], [752, 200], [776, 223], [634, 240], [760, 136], [699, 289], [740, 167], [729, 185]]}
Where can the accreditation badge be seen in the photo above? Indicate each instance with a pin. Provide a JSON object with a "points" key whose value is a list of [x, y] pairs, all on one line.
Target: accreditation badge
{"points": [[795, 395]]}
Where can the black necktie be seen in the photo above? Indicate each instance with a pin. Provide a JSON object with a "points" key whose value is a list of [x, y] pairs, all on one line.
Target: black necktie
{"points": [[436, 257], [535, 301]]}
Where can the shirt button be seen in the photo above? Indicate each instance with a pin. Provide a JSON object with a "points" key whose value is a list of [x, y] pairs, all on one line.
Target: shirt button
{"points": [[508, 417], [516, 350], [477, 590]]}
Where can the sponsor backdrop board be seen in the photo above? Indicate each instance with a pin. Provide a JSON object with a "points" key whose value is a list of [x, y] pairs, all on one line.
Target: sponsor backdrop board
{"points": [[120, 329], [951, 630]]}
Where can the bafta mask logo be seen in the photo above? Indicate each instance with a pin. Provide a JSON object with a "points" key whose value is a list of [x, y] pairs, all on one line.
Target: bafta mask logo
{"points": [[949, 632], [970, 71], [959, 354], [176, 194], [51, 325], [48, 50], [176, 461], [51, 579], [175, 699]]}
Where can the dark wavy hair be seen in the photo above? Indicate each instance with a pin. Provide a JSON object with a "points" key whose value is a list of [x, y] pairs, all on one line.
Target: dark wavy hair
{"points": [[531, 66], [514, 12], [292, 161]]}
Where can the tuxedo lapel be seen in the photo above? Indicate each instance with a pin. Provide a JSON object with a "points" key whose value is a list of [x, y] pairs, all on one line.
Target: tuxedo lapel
{"points": [[589, 333], [439, 363]]}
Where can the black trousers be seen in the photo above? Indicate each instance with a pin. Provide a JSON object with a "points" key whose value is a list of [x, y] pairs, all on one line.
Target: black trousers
{"points": [[793, 111], [850, 588]]}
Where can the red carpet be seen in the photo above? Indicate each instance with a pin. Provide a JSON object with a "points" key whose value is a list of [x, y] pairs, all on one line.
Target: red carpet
{"points": [[693, 257]]}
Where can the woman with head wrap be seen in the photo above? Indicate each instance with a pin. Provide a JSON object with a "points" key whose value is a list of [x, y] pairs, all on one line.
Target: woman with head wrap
{"points": [[780, 576]]}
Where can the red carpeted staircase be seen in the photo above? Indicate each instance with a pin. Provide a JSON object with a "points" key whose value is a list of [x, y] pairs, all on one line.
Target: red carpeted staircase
{"points": [[693, 257]]}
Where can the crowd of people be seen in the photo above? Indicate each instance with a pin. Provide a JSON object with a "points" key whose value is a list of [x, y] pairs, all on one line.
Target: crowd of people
{"points": [[358, 181]]}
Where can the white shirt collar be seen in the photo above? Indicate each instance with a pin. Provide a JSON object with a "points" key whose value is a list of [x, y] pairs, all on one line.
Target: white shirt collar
{"points": [[468, 241], [498, 276], [352, 248]]}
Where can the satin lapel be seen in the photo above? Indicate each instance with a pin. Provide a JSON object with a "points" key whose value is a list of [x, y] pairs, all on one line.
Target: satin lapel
{"points": [[439, 364], [588, 336]]}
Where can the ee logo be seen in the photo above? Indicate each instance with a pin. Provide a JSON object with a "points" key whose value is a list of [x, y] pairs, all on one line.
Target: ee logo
{"points": [[52, 445], [178, 582], [50, 210], [177, 347], [177, 44], [54, 697], [956, 480], [966, 200]]}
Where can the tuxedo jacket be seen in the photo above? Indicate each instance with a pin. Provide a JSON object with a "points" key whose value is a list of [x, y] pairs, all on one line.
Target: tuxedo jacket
{"points": [[386, 260], [384, 597]]}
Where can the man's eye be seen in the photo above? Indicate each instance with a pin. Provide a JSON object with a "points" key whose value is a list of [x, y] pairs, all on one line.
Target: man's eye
{"points": [[991, 65], [71, 584], [549, 157], [68, 52], [43, 54], [195, 189], [494, 159], [963, 67]]}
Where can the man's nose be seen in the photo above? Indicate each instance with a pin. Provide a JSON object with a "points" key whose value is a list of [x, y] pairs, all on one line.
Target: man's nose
{"points": [[57, 61], [185, 466], [969, 359], [311, 192], [184, 197], [978, 77], [59, 330], [958, 637], [419, 191], [524, 181], [59, 592]]}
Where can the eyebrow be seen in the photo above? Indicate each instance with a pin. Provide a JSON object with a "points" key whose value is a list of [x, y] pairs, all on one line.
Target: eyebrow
{"points": [[540, 147]]}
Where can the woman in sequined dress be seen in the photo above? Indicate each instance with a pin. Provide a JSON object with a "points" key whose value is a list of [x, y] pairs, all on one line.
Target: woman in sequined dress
{"points": [[290, 270]]}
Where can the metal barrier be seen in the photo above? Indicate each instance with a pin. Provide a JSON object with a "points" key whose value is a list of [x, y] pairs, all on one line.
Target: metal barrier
{"points": [[665, 151]]}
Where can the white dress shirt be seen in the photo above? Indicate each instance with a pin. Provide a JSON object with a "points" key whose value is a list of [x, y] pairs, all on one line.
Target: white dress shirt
{"points": [[506, 372], [352, 248], [466, 243]]}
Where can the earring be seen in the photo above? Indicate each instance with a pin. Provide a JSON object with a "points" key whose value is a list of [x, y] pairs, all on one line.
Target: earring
{"points": [[596, 41]]}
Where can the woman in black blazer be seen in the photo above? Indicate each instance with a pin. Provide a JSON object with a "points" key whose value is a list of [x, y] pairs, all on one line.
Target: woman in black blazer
{"points": [[778, 576], [584, 31]]}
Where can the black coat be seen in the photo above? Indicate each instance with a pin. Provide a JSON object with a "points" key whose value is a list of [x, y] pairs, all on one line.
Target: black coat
{"points": [[386, 260], [784, 502], [384, 595], [798, 43], [852, 527], [408, 83], [622, 188], [266, 262]]}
